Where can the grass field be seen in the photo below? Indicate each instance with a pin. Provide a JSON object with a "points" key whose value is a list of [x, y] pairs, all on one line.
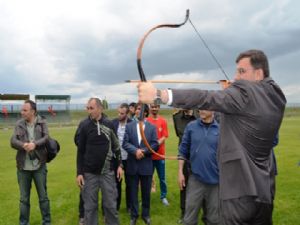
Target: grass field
{"points": [[63, 192]]}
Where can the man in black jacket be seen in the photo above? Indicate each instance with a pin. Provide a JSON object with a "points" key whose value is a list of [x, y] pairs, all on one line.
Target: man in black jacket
{"points": [[97, 146], [181, 118]]}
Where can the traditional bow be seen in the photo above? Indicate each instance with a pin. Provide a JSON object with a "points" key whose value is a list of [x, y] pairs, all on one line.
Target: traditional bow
{"points": [[143, 79]]}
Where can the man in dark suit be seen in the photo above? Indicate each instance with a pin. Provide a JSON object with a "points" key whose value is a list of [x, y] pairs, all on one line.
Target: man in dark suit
{"points": [[251, 109], [139, 165]]}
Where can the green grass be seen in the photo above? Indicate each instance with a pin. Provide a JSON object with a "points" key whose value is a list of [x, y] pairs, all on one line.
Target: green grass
{"points": [[64, 193]]}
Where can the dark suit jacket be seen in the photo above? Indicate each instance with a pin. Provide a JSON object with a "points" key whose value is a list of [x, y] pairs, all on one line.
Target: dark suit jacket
{"points": [[143, 166], [251, 116]]}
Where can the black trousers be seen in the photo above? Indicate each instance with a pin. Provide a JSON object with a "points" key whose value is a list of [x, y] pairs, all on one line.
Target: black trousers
{"points": [[145, 182], [127, 188], [245, 211], [81, 206]]}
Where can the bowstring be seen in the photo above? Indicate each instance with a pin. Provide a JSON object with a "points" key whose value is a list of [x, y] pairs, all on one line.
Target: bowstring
{"points": [[211, 53]]}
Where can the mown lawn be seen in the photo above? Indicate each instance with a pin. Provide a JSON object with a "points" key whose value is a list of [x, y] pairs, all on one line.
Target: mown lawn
{"points": [[63, 192]]}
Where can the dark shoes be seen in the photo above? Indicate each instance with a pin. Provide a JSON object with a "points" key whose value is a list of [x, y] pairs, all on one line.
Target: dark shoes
{"points": [[147, 220], [133, 221]]}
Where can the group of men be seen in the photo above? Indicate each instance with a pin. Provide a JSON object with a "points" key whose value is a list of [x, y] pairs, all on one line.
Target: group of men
{"points": [[228, 167], [120, 150]]}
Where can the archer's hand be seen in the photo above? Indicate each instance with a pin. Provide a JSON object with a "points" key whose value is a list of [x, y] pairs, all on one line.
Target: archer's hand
{"points": [[225, 83], [147, 92]]}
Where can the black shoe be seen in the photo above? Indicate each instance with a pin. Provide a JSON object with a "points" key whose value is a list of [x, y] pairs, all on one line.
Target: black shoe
{"points": [[133, 221], [147, 220]]}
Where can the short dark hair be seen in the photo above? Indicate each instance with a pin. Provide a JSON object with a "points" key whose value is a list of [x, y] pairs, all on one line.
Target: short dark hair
{"points": [[126, 106], [133, 104], [258, 60], [32, 105], [146, 108]]}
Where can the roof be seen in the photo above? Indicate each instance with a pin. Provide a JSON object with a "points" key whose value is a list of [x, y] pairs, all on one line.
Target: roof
{"points": [[14, 96], [53, 97]]}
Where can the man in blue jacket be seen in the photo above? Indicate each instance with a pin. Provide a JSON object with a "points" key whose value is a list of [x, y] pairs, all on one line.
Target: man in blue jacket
{"points": [[199, 144]]}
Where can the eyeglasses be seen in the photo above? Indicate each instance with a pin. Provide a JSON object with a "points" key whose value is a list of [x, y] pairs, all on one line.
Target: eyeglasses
{"points": [[89, 108], [242, 70]]}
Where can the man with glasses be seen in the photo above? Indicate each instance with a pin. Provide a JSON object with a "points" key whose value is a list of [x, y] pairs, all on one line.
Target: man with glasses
{"points": [[97, 145], [252, 109]]}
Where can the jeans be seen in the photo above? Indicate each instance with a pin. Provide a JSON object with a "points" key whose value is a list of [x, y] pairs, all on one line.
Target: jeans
{"points": [[160, 169], [39, 177]]}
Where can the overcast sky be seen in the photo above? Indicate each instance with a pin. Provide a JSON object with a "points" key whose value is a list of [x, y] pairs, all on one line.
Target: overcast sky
{"points": [[88, 48]]}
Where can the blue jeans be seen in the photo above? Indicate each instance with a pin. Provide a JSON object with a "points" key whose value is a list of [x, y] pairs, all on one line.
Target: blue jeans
{"points": [[159, 165], [39, 177]]}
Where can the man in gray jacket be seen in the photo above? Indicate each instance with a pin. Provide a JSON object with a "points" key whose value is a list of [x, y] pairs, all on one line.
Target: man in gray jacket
{"points": [[29, 138], [252, 110]]}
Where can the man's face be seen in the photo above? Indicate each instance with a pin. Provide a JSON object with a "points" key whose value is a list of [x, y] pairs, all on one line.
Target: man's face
{"points": [[154, 109], [122, 114], [132, 110], [27, 113], [93, 110], [205, 114], [245, 71], [188, 112], [138, 110]]}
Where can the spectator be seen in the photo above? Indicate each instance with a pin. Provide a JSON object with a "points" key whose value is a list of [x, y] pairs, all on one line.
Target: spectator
{"points": [[29, 138]]}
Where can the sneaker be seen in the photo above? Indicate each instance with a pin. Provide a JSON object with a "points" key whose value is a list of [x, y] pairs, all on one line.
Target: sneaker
{"points": [[165, 202], [81, 221], [180, 220]]}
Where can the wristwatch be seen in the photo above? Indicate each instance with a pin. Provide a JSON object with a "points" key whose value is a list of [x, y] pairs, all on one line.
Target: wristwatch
{"points": [[157, 100]]}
